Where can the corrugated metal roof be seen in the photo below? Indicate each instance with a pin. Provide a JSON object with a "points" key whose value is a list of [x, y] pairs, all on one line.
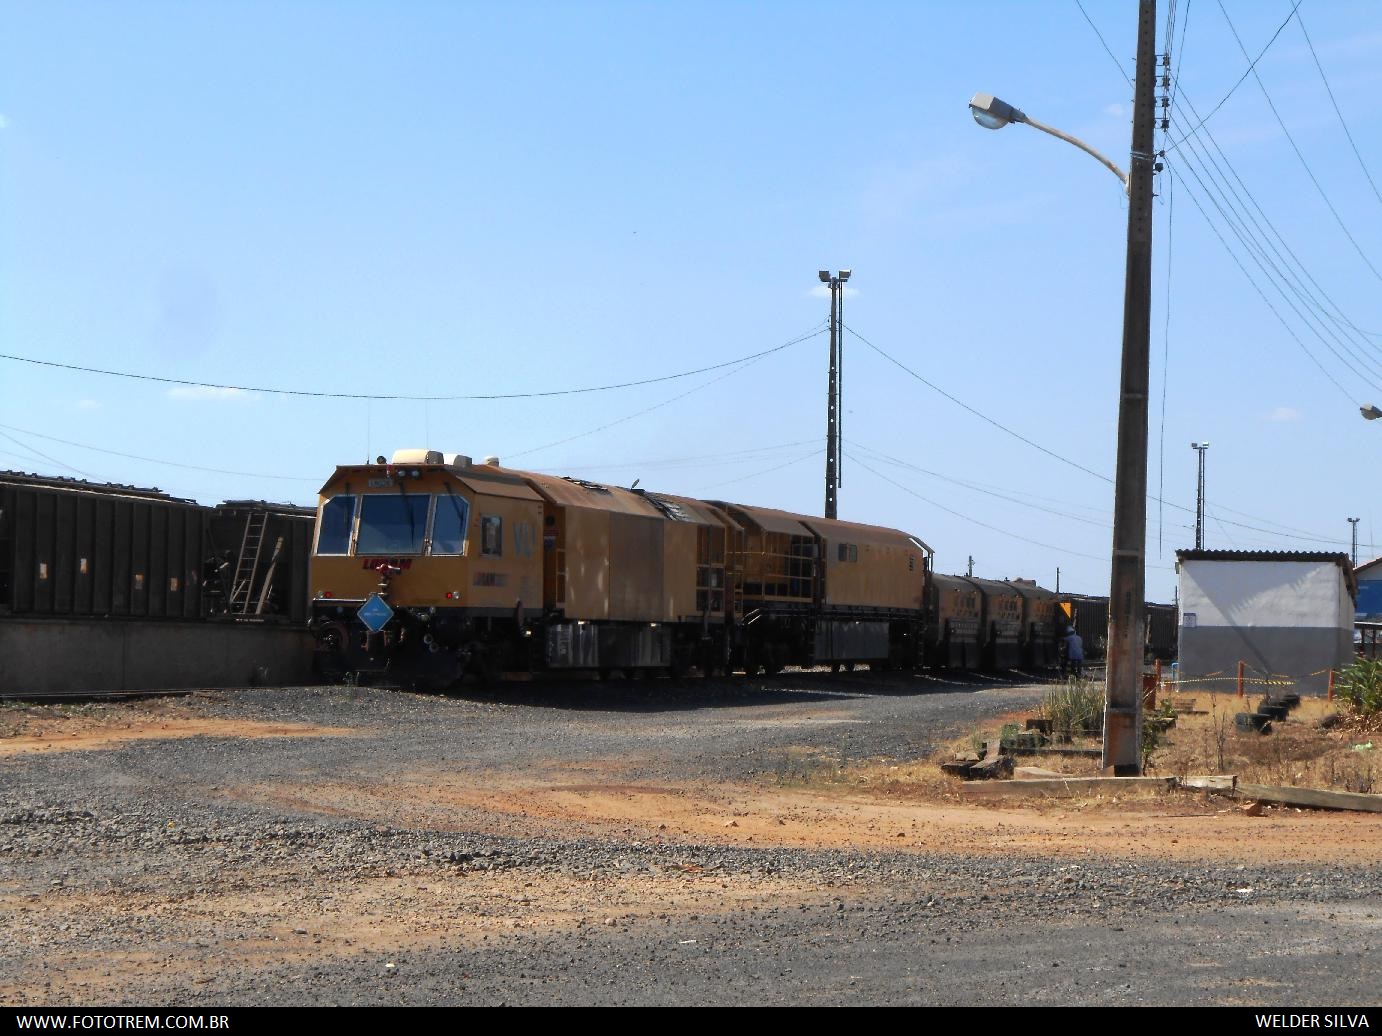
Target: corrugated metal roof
{"points": [[1338, 557], [1306, 556]]}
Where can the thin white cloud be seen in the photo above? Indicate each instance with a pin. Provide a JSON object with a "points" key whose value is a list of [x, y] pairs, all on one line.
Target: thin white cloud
{"points": [[822, 291], [88, 404], [1118, 111], [206, 393], [1284, 413], [4, 122]]}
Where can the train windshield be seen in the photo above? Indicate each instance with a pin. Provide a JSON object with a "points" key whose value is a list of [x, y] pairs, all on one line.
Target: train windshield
{"points": [[448, 525], [392, 524], [338, 515]]}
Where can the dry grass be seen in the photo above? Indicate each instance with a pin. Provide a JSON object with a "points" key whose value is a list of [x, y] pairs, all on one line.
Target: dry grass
{"points": [[1298, 752]]}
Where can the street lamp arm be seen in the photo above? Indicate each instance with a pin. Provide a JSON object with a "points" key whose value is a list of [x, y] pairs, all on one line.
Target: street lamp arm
{"points": [[1122, 176]]}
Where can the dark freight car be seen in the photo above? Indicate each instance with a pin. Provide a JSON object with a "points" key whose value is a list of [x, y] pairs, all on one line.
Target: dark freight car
{"points": [[1162, 630], [72, 548], [257, 555], [1089, 617]]}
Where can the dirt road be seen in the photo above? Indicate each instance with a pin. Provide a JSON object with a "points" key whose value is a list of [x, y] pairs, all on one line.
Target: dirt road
{"points": [[703, 843]]}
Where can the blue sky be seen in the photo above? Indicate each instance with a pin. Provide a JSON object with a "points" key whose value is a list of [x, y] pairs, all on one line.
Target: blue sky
{"points": [[464, 199]]}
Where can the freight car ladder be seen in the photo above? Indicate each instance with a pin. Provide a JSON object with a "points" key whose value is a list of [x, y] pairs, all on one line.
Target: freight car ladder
{"points": [[247, 565]]}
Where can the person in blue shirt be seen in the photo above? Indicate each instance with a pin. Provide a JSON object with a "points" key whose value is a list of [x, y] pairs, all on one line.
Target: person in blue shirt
{"points": [[1074, 652]]}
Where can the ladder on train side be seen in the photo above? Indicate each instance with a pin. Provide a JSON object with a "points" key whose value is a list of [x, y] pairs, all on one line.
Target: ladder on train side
{"points": [[247, 565]]}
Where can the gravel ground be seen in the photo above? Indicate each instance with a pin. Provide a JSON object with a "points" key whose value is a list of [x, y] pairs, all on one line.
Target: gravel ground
{"points": [[170, 871]]}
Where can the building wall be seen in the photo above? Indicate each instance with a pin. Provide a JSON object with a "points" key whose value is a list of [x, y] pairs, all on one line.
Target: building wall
{"points": [[1287, 618], [48, 656], [1303, 656], [1369, 597]]}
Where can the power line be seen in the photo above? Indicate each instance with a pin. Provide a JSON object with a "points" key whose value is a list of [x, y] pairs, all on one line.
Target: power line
{"points": [[743, 364], [1242, 188], [1112, 57], [1267, 302], [730, 457], [1272, 271], [313, 394], [766, 471], [1296, 148], [1052, 453], [983, 417], [975, 487], [973, 521], [147, 460], [1245, 75], [37, 452], [1328, 89]]}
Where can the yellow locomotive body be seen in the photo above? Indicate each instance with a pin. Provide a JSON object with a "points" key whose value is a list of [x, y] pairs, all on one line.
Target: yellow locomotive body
{"points": [[430, 566]]}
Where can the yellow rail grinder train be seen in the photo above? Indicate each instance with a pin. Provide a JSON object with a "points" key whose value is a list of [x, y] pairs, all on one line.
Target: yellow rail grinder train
{"points": [[429, 567]]}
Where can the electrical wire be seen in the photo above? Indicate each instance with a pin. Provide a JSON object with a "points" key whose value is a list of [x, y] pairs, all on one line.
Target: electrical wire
{"points": [[1107, 50], [744, 365], [973, 521], [1252, 65], [1051, 453], [1296, 147], [147, 460], [1201, 128], [766, 471], [879, 455], [818, 329], [35, 450], [1328, 89], [1315, 322], [1267, 302], [982, 416], [731, 457]]}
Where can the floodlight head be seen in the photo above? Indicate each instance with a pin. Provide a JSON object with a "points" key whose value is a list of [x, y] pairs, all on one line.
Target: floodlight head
{"points": [[991, 113], [824, 276], [844, 274], [1370, 412]]}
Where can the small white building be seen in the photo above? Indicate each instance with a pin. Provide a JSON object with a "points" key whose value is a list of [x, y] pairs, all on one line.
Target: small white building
{"points": [[1284, 614]]}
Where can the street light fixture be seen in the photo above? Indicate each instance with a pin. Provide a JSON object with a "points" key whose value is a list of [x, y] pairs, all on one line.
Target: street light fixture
{"points": [[1370, 412], [991, 113]]}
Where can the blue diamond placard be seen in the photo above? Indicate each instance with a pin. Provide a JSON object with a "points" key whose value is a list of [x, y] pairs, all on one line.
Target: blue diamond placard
{"points": [[375, 613]]}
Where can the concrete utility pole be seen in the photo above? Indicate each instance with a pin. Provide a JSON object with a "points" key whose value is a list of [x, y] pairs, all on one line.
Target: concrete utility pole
{"points": [[1127, 580], [1199, 447], [1354, 522], [832, 408], [971, 565]]}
